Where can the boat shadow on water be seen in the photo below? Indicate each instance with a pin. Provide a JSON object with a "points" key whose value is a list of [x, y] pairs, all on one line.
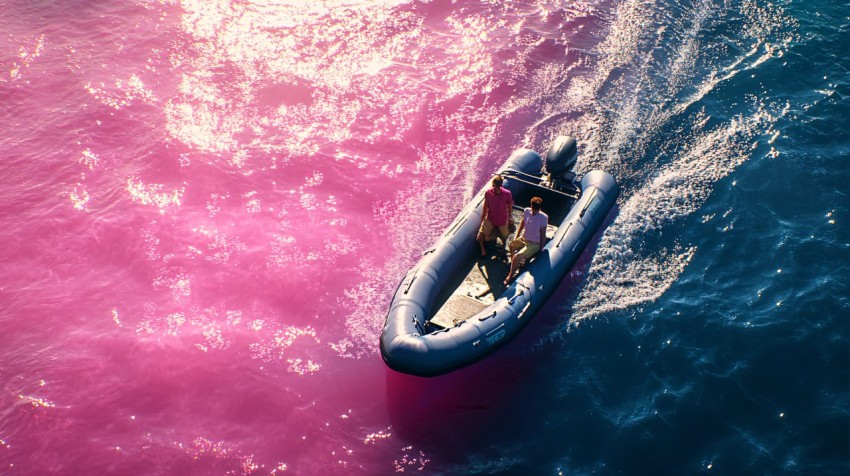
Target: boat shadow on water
{"points": [[447, 414]]}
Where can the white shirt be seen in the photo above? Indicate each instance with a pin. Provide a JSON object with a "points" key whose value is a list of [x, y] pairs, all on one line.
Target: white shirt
{"points": [[533, 225]]}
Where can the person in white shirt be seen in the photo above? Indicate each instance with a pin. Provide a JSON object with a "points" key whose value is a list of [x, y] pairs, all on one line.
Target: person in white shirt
{"points": [[532, 236]]}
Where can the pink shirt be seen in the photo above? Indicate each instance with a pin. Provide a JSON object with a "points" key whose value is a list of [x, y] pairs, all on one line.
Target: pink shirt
{"points": [[497, 206]]}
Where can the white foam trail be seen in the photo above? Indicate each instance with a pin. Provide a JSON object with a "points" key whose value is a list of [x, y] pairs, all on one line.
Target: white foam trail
{"points": [[640, 82], [623, 272]]}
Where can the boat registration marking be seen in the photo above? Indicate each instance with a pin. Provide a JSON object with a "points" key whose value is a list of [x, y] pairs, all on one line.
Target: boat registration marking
{"points": [[496, 337]]}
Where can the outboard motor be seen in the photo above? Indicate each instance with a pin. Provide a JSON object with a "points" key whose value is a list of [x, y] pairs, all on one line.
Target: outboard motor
{"points": [[561, 157]]}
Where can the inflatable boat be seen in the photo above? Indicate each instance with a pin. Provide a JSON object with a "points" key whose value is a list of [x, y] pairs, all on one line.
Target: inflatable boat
{"points": [[452, 308]]}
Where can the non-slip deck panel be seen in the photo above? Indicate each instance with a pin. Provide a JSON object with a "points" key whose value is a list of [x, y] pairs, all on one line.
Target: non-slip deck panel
{"points": [[457, 309]]}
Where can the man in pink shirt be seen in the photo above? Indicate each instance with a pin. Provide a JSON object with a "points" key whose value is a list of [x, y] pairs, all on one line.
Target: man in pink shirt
{"points": [[498, 203], [532, 236]]}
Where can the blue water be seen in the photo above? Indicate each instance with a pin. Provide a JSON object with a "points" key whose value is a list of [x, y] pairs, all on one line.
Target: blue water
{"points": [[715, 341], [206, 209], [741, 365]]}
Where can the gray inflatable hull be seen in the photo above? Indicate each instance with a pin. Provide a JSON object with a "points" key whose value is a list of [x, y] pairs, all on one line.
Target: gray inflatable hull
{"points": [[405, 345]]}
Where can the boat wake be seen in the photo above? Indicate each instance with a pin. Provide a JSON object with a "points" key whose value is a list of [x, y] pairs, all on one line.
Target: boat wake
{"points": [[624, 272], [644, 110]]}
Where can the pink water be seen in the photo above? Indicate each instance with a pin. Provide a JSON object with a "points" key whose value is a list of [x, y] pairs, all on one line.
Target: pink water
{"points": [[205, 209]]}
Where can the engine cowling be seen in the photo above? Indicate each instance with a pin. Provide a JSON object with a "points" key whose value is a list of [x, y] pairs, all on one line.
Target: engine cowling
{"points": [[561, 156]]}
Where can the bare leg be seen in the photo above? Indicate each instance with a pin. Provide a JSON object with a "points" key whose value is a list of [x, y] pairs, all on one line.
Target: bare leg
{"points": [[515, 260], [480, 240], [515, 265], [511, 250]]}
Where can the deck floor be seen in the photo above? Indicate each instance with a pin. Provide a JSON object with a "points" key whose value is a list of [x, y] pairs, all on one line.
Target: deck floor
{"points": [[481, 283], [478, 283]]}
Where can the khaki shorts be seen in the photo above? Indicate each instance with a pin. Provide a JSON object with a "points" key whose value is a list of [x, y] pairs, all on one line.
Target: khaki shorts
{"points": [[527, 249], [487, 228]]}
